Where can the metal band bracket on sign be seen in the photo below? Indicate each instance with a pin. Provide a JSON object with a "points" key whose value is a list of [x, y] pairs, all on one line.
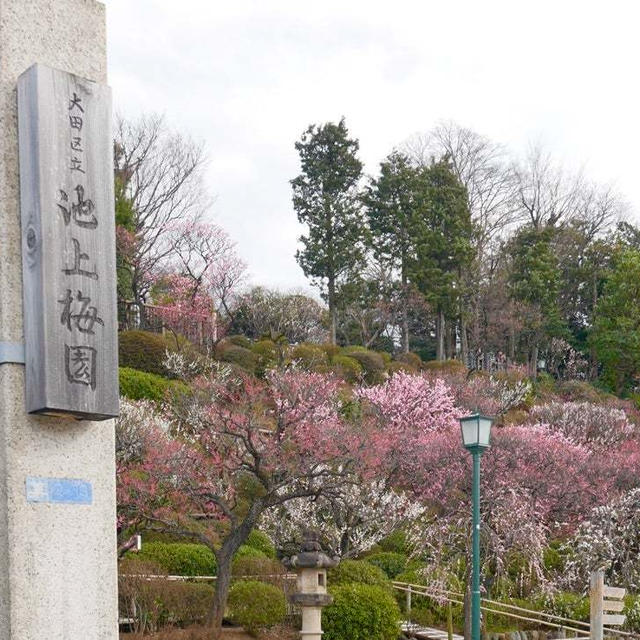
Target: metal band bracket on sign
{"points": [[12, 352]]}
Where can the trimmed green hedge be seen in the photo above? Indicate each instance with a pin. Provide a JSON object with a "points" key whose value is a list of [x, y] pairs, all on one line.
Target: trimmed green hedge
{"points": [[139, 385], [262, 542], [391, 563], [255, 605], [346, 367], [361, 612], [371, 362], [267, 356], [143, 351], [360, 571], [180, 558], [413, 360], [162, 603], [445, 366], [239, 356], [310, 356]]}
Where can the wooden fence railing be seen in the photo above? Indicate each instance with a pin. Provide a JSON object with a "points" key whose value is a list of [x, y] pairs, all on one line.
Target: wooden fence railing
{"points": [[578, 627]]}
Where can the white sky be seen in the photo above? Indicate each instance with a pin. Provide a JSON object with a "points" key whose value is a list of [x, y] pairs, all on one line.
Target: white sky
{"points": [[248, 76]]}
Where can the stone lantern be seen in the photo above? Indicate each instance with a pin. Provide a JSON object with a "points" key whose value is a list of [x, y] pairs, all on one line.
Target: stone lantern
{"points": [[311, 565]]}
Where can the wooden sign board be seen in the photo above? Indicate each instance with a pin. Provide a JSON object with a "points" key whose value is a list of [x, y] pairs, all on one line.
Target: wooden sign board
{"points": [[68, 244]]}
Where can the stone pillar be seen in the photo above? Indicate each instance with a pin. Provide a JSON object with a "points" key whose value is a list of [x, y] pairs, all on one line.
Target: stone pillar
{"points": [[58, 571]]}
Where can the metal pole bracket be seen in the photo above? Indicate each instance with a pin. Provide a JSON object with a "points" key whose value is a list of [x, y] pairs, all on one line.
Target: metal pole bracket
{"points": [[12, 352]]}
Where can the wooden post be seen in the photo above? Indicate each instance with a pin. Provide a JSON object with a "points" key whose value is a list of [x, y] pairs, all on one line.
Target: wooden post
{"points": [[409, 601], [599, 606], [596, 594]]}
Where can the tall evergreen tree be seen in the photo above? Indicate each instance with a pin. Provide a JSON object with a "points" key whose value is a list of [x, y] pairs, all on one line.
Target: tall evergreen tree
{"points": [[391, 204], [327, 201], [441, 228]]}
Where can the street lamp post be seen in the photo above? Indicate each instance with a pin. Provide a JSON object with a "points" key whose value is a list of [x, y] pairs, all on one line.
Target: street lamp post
{"points": [[476, 434]]}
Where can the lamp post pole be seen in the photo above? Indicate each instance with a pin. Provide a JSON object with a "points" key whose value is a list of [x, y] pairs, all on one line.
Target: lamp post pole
{"points": [[475, 581], [476, 436]]}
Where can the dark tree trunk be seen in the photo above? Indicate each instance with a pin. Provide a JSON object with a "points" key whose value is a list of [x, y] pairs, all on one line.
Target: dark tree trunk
{"points": [[464, 343], [224, 558], [333, 320], [405, 310], [440, 328]]}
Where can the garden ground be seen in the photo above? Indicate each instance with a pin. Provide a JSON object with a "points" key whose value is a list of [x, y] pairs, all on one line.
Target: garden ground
{"points": [[201, 633]]}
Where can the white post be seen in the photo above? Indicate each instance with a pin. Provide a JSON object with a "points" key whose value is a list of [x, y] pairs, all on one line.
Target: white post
{"points": [[58, 571], [409, 600]]}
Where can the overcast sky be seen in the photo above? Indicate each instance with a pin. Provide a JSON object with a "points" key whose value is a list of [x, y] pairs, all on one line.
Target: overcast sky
{"points": [[247, 77]]}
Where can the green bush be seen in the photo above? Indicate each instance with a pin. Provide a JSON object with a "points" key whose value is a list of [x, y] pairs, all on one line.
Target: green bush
{"points": [[360, 571], [361, 612], [257, 566], [372, 363], [155, 604], [566, 605], [331, 350], [579, 391], [411, 359], [243, 358], [245, 551], [310, 356], [386, 357], [347, 368], [632, 611], [139, 385], [239, 340], [394, 367], [396, 542], [391, 563], [445, 366], [180, 558], [262, 542], [143, 351], [267, 356], [255, 605]]}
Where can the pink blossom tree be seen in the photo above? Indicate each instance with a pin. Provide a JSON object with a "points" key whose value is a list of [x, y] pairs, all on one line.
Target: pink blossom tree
{"points": [[201, 280], [238, 447]]}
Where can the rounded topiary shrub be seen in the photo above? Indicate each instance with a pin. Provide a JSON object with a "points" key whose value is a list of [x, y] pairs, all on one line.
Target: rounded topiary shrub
{"points": [[143, 351], [261, 541], [267, 356], [245, 551], [445, 366], [140, 385], [396, 541], [411, 359], [394, 367], [360, 571], [346, 367], [372, 364], [255, 605], [310, 357], [180, 558], [239, 356], [391, 563], [330, 349], [239, 340], [361, 612]]}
